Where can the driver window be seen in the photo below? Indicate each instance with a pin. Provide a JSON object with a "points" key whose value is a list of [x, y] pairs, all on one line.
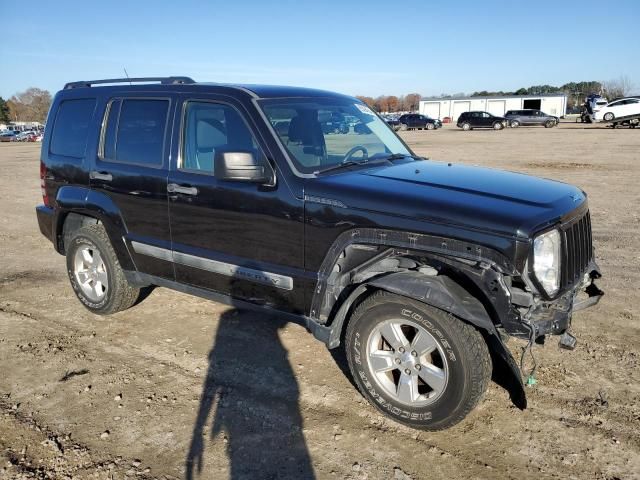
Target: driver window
{"points": [[209, 128]]}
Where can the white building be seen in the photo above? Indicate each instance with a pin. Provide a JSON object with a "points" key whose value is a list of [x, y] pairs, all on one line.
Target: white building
{"points": [[552, 104]]}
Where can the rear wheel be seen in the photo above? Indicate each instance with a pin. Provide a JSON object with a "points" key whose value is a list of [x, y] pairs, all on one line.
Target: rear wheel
{"points": [[417, 364], [95, 273], [403, 127], [608, 116], [466, 126]]}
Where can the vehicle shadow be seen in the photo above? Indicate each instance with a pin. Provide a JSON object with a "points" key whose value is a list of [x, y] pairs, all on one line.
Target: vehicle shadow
{"points": [[252, 397]]}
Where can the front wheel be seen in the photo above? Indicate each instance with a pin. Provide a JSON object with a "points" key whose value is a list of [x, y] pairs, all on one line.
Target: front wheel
{"points": [[430, 126], [417, 364], [608, 116], [404, 127], [498, 126], [549, 124], [95, 273], [515, 124]]}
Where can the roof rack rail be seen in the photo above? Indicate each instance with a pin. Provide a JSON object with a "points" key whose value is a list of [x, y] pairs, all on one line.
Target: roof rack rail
{"points": [[162, 80]]}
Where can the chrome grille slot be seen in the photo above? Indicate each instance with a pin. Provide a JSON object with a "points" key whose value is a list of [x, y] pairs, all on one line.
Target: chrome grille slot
{"points": [[577, 249]]}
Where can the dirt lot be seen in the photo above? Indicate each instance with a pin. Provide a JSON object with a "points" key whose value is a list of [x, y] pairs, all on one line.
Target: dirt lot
{"points": [[179, 387]]}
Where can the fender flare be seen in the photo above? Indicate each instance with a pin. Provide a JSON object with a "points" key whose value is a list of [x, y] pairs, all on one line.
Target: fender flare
{"points": [[84, 201], [443, 293]]}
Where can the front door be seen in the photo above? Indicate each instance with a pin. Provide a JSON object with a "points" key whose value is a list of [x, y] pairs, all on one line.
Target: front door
{"points": [[240, 239]]}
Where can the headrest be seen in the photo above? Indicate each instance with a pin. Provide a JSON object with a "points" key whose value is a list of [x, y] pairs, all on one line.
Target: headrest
{"points": [[303, 129]]}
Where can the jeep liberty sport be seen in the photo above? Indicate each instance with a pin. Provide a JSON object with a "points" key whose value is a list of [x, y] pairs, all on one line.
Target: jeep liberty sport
{"points": [[420, 269]]}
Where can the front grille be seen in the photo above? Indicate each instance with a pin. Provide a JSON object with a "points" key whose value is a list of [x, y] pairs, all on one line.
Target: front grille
{"points": [[578, 249]]}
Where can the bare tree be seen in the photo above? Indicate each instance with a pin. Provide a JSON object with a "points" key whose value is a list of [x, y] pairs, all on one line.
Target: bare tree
{"points": [[31, 105], [619, 87], [412, 101], [368, 100]]}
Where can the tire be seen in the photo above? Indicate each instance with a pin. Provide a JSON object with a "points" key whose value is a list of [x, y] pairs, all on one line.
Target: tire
{"points": [[403, 127], [459, 363], [549, 124], [466, 126], [608, 117], [515, 124], [498, 126], [430, 126], [90, 256]]}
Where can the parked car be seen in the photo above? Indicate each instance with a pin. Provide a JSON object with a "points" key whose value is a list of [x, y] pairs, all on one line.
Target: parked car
{"points": [[8, 136], [621, 107], [409, 121], [418, 268], [24, 136], [530, 117], [471, 120]]}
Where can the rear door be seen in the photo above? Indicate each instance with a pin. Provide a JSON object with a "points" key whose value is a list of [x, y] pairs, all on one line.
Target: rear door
{"points": [[131, 171], [244, 240]]}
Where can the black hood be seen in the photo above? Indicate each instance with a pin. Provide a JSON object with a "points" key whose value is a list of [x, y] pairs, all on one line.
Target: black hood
{"points": [[479, 198]]}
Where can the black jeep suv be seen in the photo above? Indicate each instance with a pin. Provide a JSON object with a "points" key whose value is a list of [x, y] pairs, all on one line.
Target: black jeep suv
{"points": [[530, 117], [419, 268], [410, 121], [471, 120]]}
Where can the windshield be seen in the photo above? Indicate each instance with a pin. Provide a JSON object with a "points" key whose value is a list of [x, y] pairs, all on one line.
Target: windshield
{"points": [[323, 132]]}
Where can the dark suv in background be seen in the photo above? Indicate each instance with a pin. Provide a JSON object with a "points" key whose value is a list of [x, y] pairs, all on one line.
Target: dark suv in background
{"points": [[530, 117], [409, 121], [471, 120], [238, 194]]}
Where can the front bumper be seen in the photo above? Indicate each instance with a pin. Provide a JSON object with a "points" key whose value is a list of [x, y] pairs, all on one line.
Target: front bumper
{"points": [[554, 318]]}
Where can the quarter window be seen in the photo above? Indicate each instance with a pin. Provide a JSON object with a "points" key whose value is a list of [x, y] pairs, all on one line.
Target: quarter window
{"points": [[135, 131], [210, 128], [71, 127]]}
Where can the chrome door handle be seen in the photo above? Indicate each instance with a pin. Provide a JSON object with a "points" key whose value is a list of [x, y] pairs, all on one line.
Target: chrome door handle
{"points": [[175, 188], [106, 176]]}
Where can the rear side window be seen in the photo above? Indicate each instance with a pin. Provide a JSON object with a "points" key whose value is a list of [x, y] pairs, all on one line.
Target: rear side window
{"points": [[135, 130], [71, 127]]}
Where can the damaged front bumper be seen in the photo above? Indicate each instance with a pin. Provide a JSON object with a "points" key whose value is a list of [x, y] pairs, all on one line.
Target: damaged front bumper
{"points": [[554, 317]]}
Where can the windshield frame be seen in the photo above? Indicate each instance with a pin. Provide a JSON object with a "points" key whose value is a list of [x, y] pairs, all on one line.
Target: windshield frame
{"points": [[259, 102]]}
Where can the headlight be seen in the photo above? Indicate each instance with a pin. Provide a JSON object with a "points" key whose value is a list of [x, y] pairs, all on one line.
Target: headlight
{"points": [[546, 261]]}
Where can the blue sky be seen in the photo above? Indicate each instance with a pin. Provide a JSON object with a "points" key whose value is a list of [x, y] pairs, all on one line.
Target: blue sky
{"points": [[359, 47]]}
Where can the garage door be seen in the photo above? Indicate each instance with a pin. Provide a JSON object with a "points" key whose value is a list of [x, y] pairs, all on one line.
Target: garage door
{"points": [[459, 108], [432, 109], [496, 107]]}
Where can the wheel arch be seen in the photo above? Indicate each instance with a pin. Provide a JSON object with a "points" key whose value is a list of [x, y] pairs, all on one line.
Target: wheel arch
{"points": [[80, 206], [458, 277]]}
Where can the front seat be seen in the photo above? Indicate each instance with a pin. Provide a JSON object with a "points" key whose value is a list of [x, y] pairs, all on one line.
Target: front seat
{"points": [[305, 139]]}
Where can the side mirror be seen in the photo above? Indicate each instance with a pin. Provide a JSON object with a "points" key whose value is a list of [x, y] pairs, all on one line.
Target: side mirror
{"points": [[240, 167]]}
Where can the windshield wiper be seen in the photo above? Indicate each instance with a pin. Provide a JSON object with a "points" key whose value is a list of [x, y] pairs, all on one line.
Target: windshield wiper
{"points": [[400, 156], [351, 163], [339, 166]]}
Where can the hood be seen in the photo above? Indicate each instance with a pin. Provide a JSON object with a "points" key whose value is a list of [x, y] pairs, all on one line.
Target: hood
{"points": [[478, 198]]}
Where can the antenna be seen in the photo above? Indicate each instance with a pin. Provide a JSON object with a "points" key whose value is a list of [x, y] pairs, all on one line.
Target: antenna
{"points": [[126, 75]]}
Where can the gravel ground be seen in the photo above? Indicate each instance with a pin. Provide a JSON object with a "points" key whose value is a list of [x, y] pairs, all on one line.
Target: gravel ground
{"points": [[179, 387]]}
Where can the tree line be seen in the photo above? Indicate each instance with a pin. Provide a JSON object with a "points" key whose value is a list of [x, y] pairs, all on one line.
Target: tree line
{"points": [[391, 103], [32, 105]]}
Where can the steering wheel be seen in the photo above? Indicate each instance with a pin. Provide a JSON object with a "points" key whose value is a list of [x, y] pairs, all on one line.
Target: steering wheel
{"points": [[357, 148]]}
